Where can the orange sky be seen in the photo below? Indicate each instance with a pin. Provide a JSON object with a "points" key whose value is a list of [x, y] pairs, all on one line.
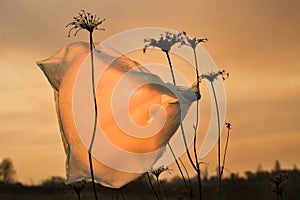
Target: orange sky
{"points": [[256, 41]]}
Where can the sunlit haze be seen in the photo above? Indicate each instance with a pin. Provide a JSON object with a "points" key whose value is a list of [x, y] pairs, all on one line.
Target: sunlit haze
{"points": [[256, 41]]}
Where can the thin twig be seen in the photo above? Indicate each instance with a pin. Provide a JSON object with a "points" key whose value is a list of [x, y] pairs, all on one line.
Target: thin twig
{"points": [[158, 186], [195, 130], [152, 187], [181, 125], [211, 76], [219, 142], [87, 21], [161, 183], [183, 133], [228, 126], [188, 187]]}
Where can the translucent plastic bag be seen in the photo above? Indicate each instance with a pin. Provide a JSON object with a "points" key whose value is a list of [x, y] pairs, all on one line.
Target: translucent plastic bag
{"points": [[158, 106]]}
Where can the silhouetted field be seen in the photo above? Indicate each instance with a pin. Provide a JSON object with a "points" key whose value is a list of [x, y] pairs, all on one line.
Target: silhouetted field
{"points": [[256, 186]]}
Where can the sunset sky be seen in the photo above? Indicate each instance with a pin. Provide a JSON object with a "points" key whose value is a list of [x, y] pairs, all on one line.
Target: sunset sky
{"points": [[256, 41]]}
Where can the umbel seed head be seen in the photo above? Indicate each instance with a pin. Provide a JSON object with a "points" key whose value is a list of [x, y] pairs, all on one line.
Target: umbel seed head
{"points": [[85, 20]]}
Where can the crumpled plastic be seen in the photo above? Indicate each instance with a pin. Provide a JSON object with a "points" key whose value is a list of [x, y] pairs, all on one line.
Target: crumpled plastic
{"points": [[62, 71]]}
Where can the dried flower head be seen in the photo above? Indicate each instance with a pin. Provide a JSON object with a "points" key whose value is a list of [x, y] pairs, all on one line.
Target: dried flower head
{"points": [[85, 20], [165, 42], [224, 74], [191, 42], [211, 76], [159, 170], [228, 125]]}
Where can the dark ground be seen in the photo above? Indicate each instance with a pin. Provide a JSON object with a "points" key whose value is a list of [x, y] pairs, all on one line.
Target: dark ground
{"points": [[256, 186]]}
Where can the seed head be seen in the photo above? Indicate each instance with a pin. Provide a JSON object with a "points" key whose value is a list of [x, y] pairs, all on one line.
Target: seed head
{"points": [[228, 125], [192, 42], [211, 76], [159, 170], [165, 41], [85, 20]]}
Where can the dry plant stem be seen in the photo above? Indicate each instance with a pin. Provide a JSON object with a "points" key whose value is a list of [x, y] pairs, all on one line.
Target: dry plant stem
{"points": [[171, 68], [152, 187], [158, 186], [164, 188], [181, 126], [225, 151], [195, 133], [188, 187], [187, 174], [219, 143], [87, 21], [195, 166], [182, 130], [95, 118], [92, 175]]}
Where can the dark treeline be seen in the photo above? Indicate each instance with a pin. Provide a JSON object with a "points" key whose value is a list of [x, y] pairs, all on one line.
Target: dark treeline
{"points": [[277, 184]]}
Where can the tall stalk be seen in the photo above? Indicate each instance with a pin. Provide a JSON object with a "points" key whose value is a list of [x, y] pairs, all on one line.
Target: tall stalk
{"points": [[158, 186], [228, 126], [152, 187], [157, 172], [195, 131], [188, 187], [181, 125], [165, 43], [89, 22], [164, 188], [211, 77], [193, 42], [95, 118], [196, 164], [219, 143]]}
